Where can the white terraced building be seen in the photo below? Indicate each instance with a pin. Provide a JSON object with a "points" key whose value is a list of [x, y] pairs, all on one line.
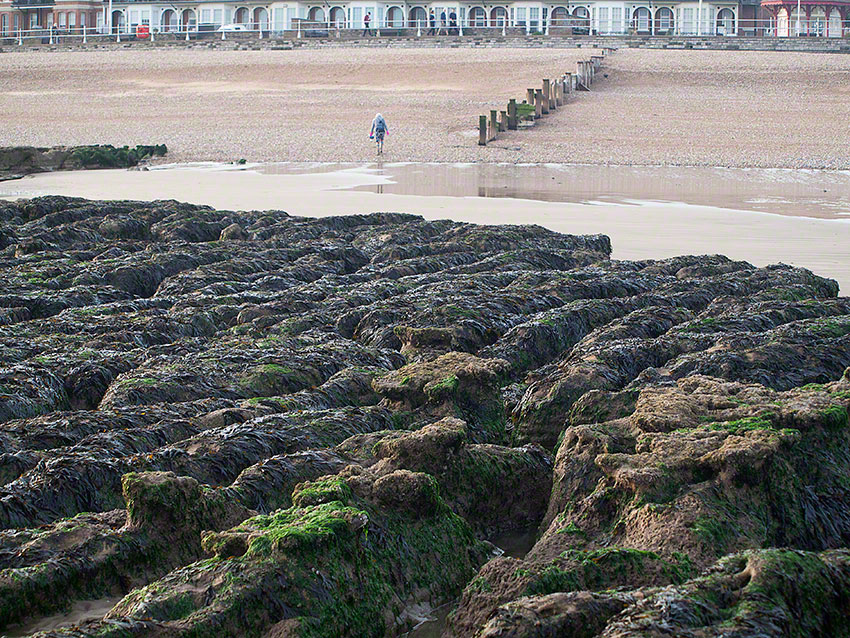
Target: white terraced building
{"points": [[597, 17]]}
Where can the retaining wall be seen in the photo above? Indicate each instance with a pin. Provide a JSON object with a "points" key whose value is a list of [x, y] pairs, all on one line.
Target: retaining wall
{"points": [[290, 41]]}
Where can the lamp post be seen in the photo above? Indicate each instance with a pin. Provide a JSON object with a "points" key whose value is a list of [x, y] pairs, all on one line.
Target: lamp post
{"points": [[699, 18]]}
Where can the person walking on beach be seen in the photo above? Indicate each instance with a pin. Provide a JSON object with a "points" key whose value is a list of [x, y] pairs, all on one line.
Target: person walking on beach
{"points": [[379, 129], [432, 20], [366, 20]]}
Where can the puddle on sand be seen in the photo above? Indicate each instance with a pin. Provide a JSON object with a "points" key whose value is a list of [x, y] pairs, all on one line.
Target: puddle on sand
{"points": [[80, 611], [515, 544], [800, 193]]}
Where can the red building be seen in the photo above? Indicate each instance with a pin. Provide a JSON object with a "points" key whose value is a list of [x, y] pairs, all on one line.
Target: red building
{"points": [[69, 16], [820, 19]]}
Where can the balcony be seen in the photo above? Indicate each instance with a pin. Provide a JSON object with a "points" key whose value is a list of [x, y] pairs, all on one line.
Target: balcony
{"points": [[32, 4]]}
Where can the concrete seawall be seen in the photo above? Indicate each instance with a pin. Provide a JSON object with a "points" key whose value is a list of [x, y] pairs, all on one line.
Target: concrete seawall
{"points": [[289, 40]]}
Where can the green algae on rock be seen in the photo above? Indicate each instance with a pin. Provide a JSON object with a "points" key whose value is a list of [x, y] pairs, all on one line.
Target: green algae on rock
{"points": [[248, 423]]}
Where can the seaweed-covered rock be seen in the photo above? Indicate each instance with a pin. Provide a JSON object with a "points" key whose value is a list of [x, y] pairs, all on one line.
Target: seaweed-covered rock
{"points": [[453, 384], [17, 161], [493, 487], [345, 560], [699, 469], [199, 366]]}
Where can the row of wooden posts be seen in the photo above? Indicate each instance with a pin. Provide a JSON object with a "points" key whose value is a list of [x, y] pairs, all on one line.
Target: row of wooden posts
{"points": [[546, 99]]}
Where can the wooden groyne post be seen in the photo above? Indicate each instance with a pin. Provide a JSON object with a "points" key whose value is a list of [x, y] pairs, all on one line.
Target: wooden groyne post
{"points": [[553, 94]]}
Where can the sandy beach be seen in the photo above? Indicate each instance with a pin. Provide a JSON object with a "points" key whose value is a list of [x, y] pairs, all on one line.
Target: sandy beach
{"points": [[715, 108]]}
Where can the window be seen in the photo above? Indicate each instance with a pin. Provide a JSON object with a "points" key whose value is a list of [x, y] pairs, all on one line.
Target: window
{"points": [[83, 19], [206, 16], [520, 16], [216, 16], [62, 20], [72, 20], [603, 26], [34, 20], [533, 17], [617, 19], [4, 23], [16, 22], [688, 21]]}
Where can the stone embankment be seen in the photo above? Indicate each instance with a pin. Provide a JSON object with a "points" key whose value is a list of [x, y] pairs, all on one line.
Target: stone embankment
{"points": [[247, 423], [493, 39]]}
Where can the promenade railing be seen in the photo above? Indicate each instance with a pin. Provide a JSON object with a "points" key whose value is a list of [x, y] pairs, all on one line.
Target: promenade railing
{"points": [[600, 28]]}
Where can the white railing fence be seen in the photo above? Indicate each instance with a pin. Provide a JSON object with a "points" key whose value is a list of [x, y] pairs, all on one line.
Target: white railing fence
{"points": [[638, 25]]}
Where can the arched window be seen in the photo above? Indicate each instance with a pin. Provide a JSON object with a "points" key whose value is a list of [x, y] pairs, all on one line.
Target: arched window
{"points": [[395, 18], [783, 23], [560, 17], [418, 17], [118, 22], [641, 20], [168, 20], [338, 17], [580, 20], [477, 17], [725, 22], [664, 21], [498, 17], [817, 22], [834, 26], [261, 19]]}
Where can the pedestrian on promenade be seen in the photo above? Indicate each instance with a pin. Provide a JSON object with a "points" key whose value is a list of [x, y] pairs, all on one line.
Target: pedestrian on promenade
{"points": [[443, 28], [432, 20], [379, 129], [453, 22], [366, 20]]}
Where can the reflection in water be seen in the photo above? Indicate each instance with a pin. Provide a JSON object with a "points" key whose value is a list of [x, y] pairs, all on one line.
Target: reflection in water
{"points": [[81, 611], [515, 544], [809, 193]]}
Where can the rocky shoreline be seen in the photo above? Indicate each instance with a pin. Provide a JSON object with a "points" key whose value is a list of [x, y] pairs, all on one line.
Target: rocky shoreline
{"points": [[19, 161], [252, 424]]}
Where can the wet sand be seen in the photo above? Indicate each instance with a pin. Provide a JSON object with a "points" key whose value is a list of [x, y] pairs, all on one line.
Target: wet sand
{"points": [[798, 193], [81, 611], [649, 230], [713, 108]]}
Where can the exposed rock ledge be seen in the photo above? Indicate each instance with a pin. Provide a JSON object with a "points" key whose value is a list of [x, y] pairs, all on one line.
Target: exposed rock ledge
{"points": [[247, 423], [18, 161]]}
